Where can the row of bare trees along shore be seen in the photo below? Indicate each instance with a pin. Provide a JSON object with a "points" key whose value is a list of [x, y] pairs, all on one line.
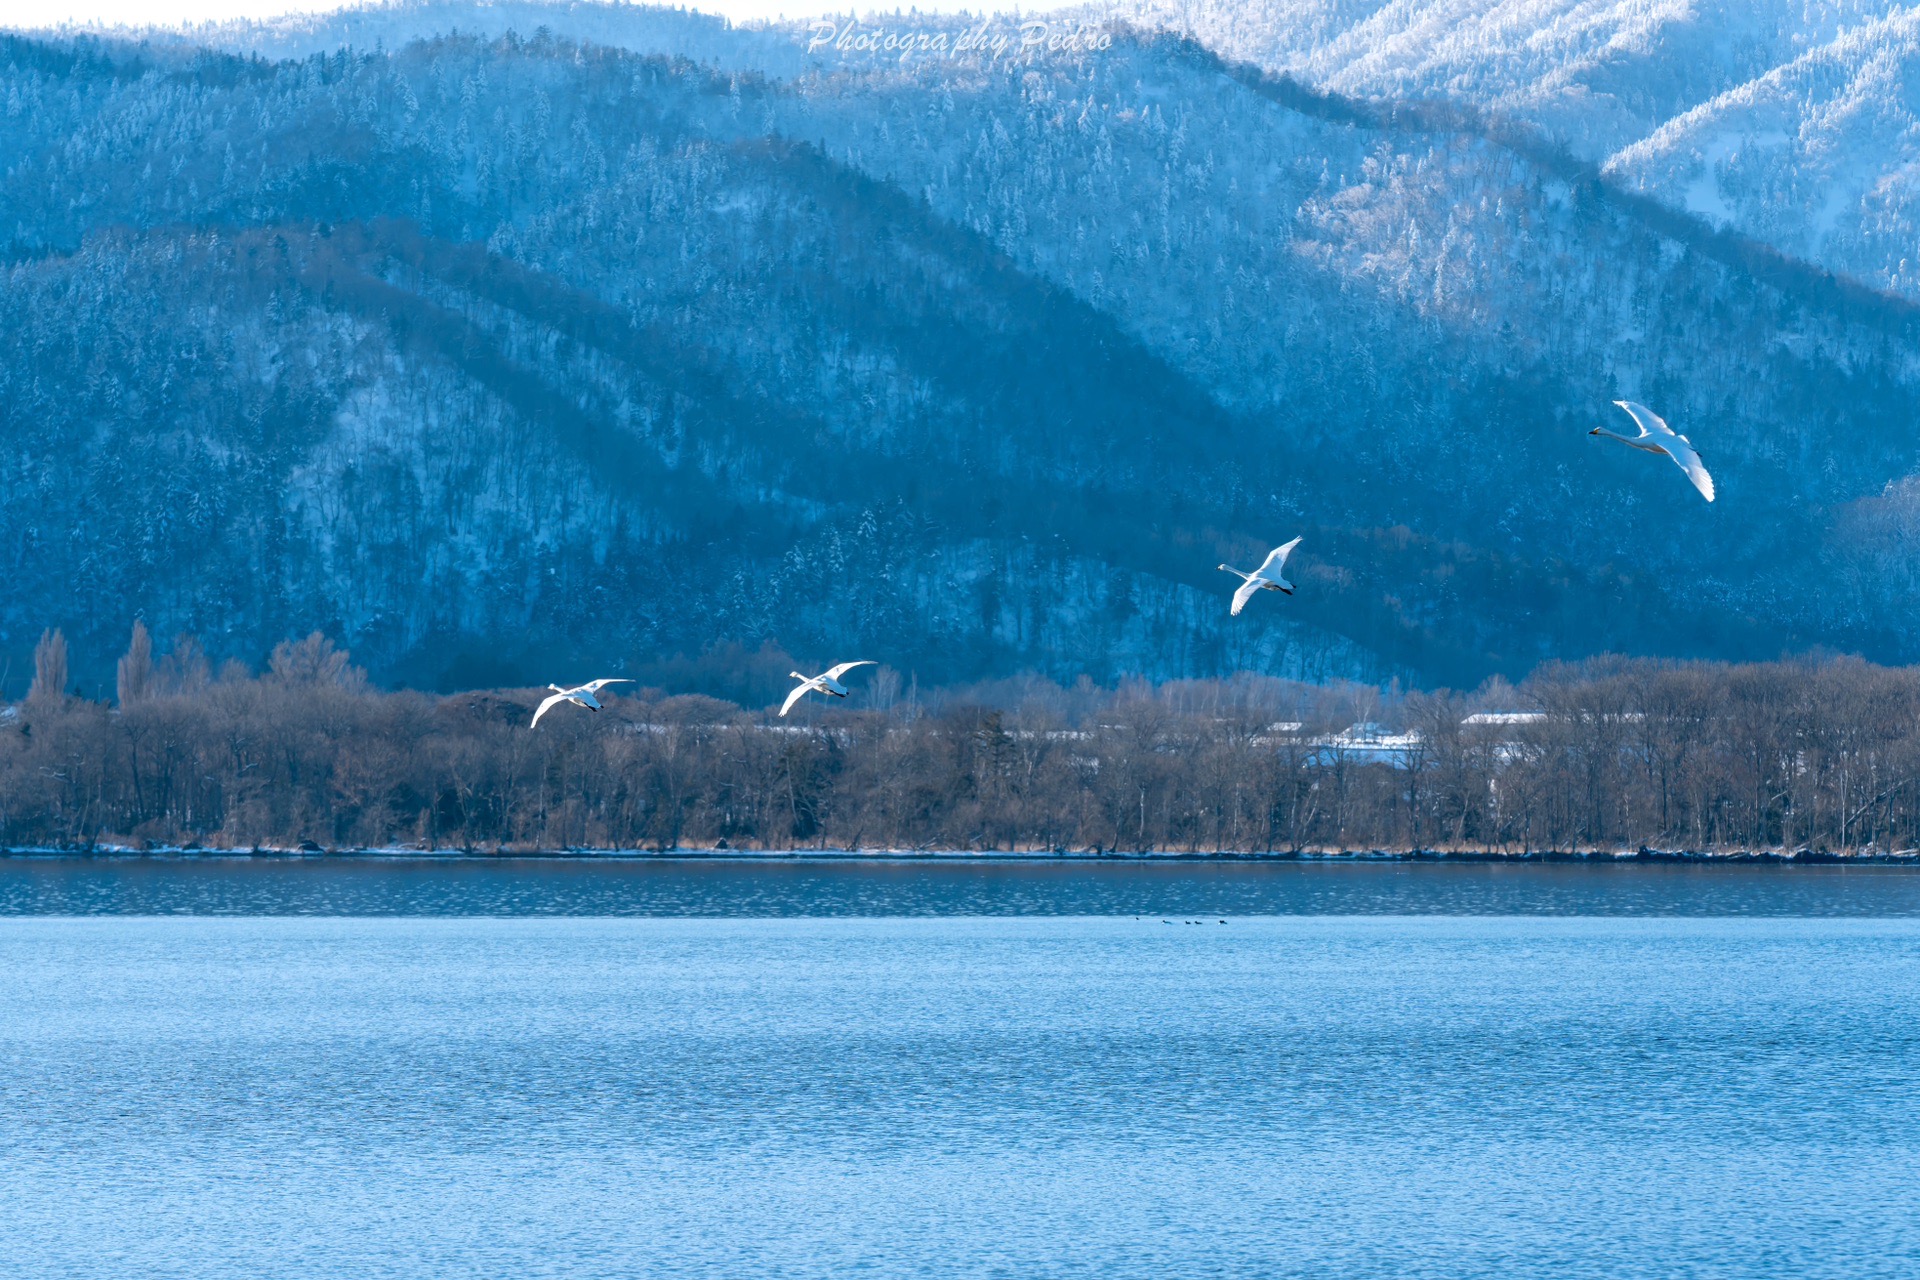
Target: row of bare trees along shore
{"points": [[1809, 755]]}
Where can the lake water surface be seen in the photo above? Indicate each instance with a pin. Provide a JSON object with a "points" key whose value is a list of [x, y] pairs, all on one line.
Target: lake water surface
{"points": [[705, 1069]]}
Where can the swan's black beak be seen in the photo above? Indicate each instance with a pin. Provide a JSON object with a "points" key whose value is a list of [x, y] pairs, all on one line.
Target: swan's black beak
{"points": [[1594, 432]]}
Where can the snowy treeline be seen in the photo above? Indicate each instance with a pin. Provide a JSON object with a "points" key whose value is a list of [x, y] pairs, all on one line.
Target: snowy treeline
{"points": [[1614, 754], [501, 357]]}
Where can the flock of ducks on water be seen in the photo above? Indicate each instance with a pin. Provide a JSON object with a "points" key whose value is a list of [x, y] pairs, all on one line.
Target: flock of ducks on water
{"points": [[1655, 437]]}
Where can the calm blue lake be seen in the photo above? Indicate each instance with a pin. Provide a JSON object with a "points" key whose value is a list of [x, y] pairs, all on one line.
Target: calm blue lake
{"points": [[672, 1069]]}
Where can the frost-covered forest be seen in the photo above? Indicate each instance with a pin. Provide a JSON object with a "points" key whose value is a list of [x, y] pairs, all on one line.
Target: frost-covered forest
{"points": [[1609, 755], [506, 343]]}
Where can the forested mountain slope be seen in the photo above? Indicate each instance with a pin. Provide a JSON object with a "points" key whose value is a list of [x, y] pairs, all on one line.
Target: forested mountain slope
{"points": [[1820, 157], [638, 28], [1597, 76], [501, 357], [1793, 121]]}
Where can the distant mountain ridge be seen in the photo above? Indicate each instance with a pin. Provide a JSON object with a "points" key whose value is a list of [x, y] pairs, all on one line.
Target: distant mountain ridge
{"points": [[1821, 156], [1794, 121], [1667, 95], [493, 354]]}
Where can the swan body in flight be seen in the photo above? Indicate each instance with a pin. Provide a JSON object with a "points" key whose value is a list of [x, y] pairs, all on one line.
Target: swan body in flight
{"points": [[579, 695], [1265, 578], [828, 682], [1657, 437]]}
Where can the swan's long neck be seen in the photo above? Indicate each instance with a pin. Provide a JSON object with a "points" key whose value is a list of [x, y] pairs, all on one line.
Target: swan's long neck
{"points": [[1638, 442]]}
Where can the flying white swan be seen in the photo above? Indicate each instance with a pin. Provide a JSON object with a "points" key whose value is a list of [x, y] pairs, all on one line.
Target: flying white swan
{"points": [[579, 695], [828, 683], [1657, 437], [1265, 578]]}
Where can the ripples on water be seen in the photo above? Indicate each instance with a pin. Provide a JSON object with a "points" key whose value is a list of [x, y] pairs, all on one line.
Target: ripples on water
{"points": [[894, 887], [1392, 1090]]}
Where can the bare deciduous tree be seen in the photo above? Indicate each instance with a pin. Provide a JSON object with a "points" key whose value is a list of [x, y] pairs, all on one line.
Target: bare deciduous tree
{"points": [[134, 675], [1611, 755], [49, 669]]}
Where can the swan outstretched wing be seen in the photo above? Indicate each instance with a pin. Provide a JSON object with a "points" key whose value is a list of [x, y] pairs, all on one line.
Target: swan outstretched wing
{"points": [[798, 693], [1276, 560], [1245, 593], [1649, 422], [558, 697], [834, 673], [1682, 451], [1677, 446], [595, 686]]}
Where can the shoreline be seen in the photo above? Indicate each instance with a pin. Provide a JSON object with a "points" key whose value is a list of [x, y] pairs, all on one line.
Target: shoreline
{"points": [[1626, 857]]}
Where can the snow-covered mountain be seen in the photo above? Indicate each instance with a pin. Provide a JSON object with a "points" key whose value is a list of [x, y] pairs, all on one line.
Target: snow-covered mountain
{"points": [[491, 353], [1792, 121], [1597, 76], [675, 32], [1819, 157], [1693, 101]]}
